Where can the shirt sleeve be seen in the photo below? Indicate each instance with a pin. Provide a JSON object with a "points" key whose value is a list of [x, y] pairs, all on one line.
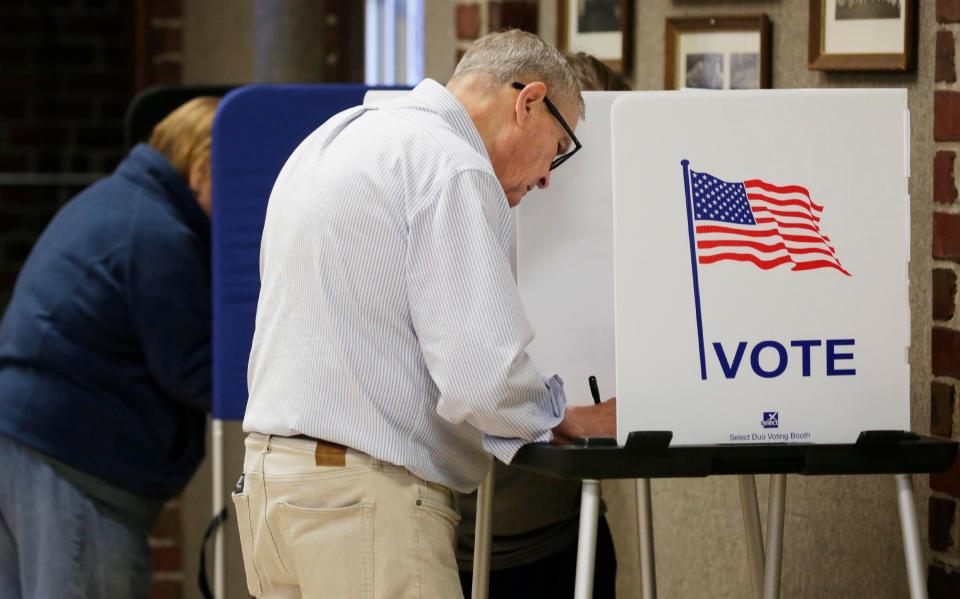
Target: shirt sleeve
{"points": [[469, 319], [169, 295]]}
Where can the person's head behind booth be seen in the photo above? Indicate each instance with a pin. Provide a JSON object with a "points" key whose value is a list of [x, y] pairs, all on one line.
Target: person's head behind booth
{"points": [[184, 138], [595, 75], [525, 101]]}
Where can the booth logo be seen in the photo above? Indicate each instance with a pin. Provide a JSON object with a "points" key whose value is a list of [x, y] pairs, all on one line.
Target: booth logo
{"points": [[771, 420], [768, 226]]}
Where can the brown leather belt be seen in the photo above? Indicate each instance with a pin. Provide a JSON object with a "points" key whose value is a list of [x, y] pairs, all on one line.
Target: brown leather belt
{"points": [[327, 453]]}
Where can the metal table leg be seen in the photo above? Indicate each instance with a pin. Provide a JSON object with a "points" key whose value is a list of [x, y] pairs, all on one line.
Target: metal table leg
{"points": [[912, 550], [481, 538], [587, 542], [648, 567], [775, 509], [751, 527]]}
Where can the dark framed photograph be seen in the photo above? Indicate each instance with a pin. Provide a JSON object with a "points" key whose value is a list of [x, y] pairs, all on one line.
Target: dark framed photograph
{"points": [[717, 53], [603, 28], [862, 35]]}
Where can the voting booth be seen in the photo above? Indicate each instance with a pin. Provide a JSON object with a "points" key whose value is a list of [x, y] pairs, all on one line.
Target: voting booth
{"points": [[732, 266], [737, 263], [762, 291]]}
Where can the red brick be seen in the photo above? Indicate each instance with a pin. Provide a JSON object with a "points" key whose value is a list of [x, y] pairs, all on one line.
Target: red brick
{"points": [[944, 293], [12, 108], [513, 15], [28, 24], [942, 584], [25, 82], [165, 39], [948, 11], [166, 9], [93, 25], [60, 108], [100, 137], [27, 194], [940, 521], [7, 279], [166, 72], [946, 69], [941, 409], [166, 589], [167, 559], [63, 54], [944, 185], [946, 116], [16, 251], [949, 481], [468, 21], [48, 162], [168, 526], [946, 236], [14, 161], [38, 136], [99, 83], [945, 346], [10, 221]]}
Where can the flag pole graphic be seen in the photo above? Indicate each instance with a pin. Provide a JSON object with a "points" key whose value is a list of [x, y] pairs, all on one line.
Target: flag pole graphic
{"points": [[693, 266]]}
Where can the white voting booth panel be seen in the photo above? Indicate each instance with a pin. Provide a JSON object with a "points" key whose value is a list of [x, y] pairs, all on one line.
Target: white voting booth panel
{"points": [[761, 248], [565, 261]]}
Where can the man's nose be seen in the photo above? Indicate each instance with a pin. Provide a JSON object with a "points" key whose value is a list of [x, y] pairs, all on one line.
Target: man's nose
{"points": [[544, 181]]}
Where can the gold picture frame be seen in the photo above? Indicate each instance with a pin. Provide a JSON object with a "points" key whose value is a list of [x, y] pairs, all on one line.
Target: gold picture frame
{"points": [[729, 52], [867, 35], [604, 29]]}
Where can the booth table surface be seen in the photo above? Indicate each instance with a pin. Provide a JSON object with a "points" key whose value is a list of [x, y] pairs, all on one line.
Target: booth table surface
{"points": [[648, 455]]}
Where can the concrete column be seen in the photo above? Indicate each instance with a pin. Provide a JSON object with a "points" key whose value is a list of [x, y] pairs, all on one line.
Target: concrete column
{"points": [[288, 41]]}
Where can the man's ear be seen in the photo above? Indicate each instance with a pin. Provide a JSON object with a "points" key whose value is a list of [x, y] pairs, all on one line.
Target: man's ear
{"points": [[528, 97]]}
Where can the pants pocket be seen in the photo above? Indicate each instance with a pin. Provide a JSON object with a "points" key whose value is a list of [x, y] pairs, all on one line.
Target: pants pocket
{"points": [[241, 501], [332, 549]]}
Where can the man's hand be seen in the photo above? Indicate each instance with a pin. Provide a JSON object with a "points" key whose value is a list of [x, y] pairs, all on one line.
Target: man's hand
{"points": [[587, 421]]}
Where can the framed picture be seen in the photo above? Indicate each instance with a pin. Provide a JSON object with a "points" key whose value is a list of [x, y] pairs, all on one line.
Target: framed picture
{"points": [[861, 35], [603, 28], [717, 53]]}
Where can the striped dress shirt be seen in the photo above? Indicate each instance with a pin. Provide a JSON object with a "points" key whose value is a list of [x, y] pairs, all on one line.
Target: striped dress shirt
{"points": [[388, 318]]}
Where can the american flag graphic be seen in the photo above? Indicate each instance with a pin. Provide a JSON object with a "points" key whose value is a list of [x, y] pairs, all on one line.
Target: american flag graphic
{"points": [[755, 221]]}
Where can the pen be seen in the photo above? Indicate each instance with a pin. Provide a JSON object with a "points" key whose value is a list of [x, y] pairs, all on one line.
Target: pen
{"points": [[594, 389]]}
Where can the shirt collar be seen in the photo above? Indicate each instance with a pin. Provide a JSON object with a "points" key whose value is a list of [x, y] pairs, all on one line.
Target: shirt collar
{"points": [[439, 98]]}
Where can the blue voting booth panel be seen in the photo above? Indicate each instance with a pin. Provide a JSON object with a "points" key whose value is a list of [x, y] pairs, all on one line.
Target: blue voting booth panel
{"points": [[255, 130]]}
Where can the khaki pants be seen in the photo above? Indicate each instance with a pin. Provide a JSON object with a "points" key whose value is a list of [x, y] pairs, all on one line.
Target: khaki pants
{"points": [[316, 524]]}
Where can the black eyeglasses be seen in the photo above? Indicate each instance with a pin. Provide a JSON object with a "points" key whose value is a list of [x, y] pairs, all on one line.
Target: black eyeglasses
{"points": [[556, 114]]}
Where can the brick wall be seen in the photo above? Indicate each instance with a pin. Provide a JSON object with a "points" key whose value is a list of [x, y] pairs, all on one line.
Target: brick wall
{"points": [[166, 542], [65, 78], [68, 70], [944, 568]]}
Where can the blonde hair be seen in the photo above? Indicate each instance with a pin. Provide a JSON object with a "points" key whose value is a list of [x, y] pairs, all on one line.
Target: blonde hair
{"points": [[183, 136]]}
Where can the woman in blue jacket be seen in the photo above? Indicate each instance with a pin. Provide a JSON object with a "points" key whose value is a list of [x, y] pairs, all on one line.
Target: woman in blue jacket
{"points": [[105, 370]]}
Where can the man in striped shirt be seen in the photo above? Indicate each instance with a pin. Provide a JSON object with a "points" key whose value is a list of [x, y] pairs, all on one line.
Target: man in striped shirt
{"points": [[388, 361]]}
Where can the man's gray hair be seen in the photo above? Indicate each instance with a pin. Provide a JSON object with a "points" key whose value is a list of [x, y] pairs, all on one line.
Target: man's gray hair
{"points": [[515, 55]]}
